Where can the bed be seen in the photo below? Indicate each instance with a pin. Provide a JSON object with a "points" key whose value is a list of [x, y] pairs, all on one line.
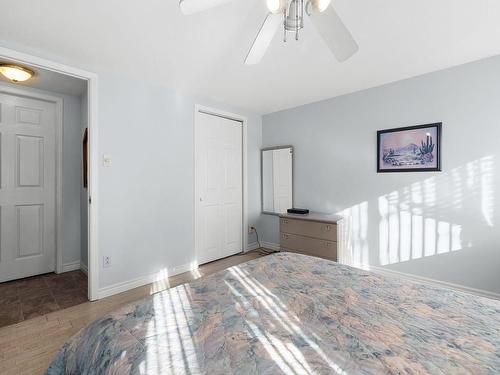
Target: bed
{"points": [[292, 314]]}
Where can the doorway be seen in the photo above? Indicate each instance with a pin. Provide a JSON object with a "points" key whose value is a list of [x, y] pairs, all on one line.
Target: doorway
{"points": [[92, 198], [43, 201], [219, 185], [40, 195]]}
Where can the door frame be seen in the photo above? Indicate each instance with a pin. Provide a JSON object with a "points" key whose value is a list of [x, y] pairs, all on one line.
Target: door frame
{"points": [[93, 185], [25, 92], [244, 121]]}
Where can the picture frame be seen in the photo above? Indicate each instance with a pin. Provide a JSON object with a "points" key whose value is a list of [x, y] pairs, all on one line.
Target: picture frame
{"points": [[410, 149]]}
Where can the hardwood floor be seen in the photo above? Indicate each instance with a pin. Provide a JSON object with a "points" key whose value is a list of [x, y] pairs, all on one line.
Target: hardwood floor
{"points": [[29, 347]]}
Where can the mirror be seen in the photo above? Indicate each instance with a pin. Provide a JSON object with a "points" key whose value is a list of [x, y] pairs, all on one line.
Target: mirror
{"points": [[277, 179]]}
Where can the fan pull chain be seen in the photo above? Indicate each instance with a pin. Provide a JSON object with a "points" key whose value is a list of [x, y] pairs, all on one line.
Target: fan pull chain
{"points": [[296, 19], [284, 25]]}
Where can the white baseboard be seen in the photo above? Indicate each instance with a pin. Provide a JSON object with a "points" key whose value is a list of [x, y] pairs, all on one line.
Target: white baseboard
{"points": [[141, 281], [263, 244], [84, 268], [73, 266], [252, 246], [270, 246], [433, 282]]}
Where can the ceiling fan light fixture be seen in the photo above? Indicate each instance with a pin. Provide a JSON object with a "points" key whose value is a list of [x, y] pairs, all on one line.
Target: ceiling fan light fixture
{"points": [[276, 6], [289, 16], [16, 73]]}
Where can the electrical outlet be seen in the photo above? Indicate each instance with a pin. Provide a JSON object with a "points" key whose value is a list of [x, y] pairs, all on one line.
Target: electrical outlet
{"points": [[106, 262]]}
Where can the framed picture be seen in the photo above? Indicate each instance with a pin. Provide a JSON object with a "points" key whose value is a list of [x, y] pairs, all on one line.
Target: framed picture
{"points": [[410, 149]]}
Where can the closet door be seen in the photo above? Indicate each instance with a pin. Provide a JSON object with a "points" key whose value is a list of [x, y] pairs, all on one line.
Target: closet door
{"points": [[218, 187]]}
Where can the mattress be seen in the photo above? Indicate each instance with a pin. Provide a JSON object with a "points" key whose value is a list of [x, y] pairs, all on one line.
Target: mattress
{"points": [[292, 314]]}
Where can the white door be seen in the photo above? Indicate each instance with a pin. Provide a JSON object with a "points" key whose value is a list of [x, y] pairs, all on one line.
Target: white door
{"points": [[282, 179], [218, 187], [27, 187]]}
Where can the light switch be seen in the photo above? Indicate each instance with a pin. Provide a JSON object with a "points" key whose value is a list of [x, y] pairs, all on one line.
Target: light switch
{"points": [[106, 161]]}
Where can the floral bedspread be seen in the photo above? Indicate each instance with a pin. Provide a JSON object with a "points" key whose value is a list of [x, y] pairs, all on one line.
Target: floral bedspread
{"points": [[292, 314]]}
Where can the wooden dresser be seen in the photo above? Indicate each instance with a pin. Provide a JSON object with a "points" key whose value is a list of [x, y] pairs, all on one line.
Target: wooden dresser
{"points": [[312, 234]]}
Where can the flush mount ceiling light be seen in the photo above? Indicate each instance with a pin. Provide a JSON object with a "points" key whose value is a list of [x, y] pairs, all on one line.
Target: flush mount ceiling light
{"points": [[290, 15], [16, 73]]}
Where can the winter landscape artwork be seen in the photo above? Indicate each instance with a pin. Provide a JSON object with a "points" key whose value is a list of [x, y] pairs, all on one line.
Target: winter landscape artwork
{"points": [[410, 149]]}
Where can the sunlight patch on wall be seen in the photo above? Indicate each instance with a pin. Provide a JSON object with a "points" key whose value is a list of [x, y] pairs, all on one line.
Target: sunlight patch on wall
{"points": [[443, 234], [405, 244], [410, 226], [353, 235], [415, 221], [487, 192], [417, 231], [430, 237], [422, 219], [456, 235]]}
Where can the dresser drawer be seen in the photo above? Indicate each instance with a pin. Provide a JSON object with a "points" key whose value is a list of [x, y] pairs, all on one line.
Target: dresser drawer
{"points": [[315, 229], [309, 246]]}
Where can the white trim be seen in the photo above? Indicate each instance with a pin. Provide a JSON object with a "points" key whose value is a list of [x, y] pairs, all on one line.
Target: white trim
{"points": [[270, 246], [26, 92], [426, 280], [244, 121], [59, 188], [144, 280], [93, 188], [34, 61], [73, 266], [84, 268], [252, 246]]}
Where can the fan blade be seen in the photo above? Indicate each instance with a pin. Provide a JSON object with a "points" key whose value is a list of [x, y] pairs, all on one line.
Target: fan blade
{"points": [[195, 6], [263, 39], [335, 34]]}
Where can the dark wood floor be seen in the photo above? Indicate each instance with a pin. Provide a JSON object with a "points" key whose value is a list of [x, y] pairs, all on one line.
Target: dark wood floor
{"points": [[39, 295]]}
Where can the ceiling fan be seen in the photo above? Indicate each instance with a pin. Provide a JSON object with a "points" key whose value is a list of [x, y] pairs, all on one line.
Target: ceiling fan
{"points": [[290, 14]]}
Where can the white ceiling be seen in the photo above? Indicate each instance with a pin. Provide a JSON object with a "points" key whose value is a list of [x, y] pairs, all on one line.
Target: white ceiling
{"points": [[203, 54], [51, 81]]}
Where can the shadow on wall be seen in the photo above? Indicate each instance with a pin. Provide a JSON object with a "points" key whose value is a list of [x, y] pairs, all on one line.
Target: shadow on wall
{"points": [[423, 219]]}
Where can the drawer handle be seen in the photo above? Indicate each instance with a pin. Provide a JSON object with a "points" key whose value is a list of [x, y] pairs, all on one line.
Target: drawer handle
{"points": [[328, 228], [284, 221], [285, 236]]}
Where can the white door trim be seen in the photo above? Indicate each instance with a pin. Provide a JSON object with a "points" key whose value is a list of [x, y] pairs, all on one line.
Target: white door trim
{"points": [[244, 121], [27, 93], [92, 81]]}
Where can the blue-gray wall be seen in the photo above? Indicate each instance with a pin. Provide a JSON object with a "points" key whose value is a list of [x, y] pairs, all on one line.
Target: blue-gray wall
{"points": [[71, 178], [335, 171], [146, 198]]}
